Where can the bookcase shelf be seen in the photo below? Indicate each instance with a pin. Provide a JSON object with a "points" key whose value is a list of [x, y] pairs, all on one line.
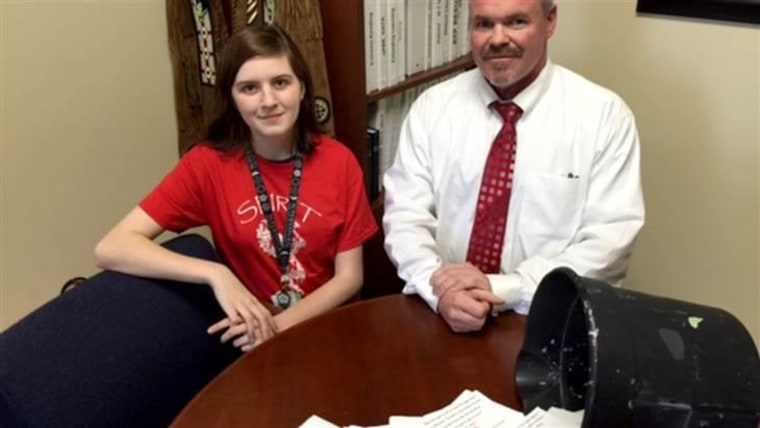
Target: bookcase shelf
{"points": [[462, 63], [343, 38]]}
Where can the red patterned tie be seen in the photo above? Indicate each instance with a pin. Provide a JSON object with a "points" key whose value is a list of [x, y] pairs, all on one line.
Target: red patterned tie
{"points": [[487, 235]]}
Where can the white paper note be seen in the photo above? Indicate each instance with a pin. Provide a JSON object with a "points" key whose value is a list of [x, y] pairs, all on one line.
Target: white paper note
{"points": [[315, 421]]}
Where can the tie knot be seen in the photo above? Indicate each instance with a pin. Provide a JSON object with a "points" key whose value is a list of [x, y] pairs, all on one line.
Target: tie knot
{"points": [[510, 111]]}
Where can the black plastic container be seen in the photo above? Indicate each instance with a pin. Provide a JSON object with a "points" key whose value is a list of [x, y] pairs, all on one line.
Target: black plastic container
{"points": [[631, 359]]}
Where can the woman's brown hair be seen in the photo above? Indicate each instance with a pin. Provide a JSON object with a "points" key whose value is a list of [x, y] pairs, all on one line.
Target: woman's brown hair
{"points": [[227, 130]]}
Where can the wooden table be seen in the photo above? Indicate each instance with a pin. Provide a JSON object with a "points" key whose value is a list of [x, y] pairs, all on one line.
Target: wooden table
{"points": [[359, 365]]}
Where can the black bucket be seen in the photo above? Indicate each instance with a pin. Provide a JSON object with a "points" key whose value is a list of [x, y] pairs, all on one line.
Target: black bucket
{"points": [[630, 359]]}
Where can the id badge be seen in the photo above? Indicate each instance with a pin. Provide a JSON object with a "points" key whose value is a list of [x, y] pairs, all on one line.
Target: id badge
{"points": [[284, 300], [281, 299]]}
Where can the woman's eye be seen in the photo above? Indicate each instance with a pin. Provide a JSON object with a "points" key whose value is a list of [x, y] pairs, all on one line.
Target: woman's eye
{"points": [[248, 88], [280, 83]]}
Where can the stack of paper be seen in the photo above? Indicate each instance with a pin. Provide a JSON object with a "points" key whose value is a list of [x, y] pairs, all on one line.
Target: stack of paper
{"points": [[472, 409]]}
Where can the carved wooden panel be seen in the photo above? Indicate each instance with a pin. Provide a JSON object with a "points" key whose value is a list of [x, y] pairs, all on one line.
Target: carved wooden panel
{"points": [[198, 30]]}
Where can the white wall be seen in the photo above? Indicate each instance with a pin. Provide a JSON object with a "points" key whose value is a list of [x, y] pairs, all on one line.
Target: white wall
{"points": [[694, 86], [87, 128]]}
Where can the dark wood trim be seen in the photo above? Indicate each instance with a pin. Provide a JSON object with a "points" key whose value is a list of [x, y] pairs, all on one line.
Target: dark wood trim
{"points": [[462, 63], [342, 23]]}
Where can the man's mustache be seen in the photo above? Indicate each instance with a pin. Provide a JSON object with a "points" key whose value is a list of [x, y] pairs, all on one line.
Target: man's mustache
{"points": [[506, 52]]}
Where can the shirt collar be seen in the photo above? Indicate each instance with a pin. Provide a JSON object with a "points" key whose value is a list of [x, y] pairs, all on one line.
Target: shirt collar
{"points": [[527, 98]]}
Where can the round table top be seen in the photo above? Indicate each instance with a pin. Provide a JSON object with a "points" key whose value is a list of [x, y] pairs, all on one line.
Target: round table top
{"points": [[360, 364]]}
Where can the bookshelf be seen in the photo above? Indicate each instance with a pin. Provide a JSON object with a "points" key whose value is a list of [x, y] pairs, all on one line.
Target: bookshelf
{"points": [[343, 38]]}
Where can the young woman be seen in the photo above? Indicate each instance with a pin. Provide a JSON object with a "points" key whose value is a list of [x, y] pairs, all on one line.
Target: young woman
{"points": [[286, 206]]}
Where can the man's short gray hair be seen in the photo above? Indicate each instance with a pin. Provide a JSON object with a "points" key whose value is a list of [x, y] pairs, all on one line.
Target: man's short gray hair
{"points": [[547, 6]]}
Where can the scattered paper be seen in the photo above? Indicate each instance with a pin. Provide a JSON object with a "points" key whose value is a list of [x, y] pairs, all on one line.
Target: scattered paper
{"points": [[534, 419], [556, 417], [373, 426], [315, 421], [405, 422], [472, 409]]}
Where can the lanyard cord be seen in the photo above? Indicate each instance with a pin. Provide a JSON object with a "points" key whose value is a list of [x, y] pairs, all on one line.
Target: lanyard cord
{"points": [[282, 248]]}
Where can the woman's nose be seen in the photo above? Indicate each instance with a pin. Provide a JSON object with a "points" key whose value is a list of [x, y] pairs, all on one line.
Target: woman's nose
{"points": [[268, 98]]}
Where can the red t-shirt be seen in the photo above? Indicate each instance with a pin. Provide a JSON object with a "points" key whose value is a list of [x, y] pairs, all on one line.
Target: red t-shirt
{"points": [[214, 188]]}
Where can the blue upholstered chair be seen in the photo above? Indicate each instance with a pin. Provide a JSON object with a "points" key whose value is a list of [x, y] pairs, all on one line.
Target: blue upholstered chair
{"points": [[115, 351]]}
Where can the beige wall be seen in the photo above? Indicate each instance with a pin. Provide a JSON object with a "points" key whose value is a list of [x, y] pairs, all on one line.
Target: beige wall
{"points": [[87, 128], [695, 89]]}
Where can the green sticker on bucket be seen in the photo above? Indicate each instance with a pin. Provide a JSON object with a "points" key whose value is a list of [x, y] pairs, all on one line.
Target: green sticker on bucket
{"points": [[694, 322]]}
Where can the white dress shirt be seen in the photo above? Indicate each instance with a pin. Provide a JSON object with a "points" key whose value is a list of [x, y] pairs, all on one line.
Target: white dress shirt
{"points": [[576, 196]]}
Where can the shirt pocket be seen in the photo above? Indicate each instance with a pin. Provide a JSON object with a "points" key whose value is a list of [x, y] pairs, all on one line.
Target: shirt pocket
{"points": [[550, 212]]}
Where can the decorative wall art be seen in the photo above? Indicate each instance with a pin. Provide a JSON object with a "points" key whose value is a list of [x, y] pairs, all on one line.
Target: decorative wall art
{"points": [[198, 30]]}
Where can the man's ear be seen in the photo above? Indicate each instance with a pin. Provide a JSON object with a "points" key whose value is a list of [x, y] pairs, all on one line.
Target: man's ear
{"points": [[552, 18]]}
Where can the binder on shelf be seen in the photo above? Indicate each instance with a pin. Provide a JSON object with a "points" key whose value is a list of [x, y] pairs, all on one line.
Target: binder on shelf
{"points": [[429, 33], [397, 41], [371, 33], [455, 15], [446, 43], [415, 36], [438, 42], [401, 42], [464, 33], [384, 56]]}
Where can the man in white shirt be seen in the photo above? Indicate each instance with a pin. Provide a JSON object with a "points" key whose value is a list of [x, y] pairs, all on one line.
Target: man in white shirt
{"points": [[575, 194]]}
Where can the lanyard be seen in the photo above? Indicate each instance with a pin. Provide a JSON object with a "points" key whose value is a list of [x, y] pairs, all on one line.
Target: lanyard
{"points": [[282, 248]]}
